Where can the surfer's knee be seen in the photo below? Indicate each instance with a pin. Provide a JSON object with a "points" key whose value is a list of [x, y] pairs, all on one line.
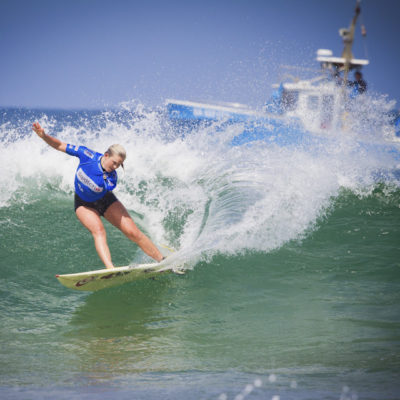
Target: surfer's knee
{"points": [[98, 231], [134, 234]]}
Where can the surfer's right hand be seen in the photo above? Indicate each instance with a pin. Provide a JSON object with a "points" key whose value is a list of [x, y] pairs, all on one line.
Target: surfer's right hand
{"points": [[38, 129]]}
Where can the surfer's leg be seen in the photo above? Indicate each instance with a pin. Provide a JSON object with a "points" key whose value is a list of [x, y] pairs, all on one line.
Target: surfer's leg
{"points": [[117, 214], [90, 219]]}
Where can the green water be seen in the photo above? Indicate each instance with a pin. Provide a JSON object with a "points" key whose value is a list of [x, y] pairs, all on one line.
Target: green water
{"points": [[316, 318], [292, 286]]}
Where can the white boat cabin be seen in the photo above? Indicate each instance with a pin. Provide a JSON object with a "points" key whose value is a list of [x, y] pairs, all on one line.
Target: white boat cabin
{"points": [[317, 102]]}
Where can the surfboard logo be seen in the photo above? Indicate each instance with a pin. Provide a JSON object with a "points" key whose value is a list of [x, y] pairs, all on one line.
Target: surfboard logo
{"points": [[85, 281], [82, 177], [115, 274]]}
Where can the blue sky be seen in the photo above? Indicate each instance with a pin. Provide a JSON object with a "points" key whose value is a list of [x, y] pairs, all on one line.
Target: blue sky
{"points": [[96, 53]]}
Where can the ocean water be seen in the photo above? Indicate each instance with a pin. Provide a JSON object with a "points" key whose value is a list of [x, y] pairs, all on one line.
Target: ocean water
{"points": [[292, 288]]}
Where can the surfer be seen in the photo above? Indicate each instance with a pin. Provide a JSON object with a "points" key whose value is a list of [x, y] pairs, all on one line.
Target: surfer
{"points": [[95, 179]]}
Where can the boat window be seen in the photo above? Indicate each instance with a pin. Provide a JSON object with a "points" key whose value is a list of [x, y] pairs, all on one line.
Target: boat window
{"points": [[312, 102], [327, 111], [290, 99]]}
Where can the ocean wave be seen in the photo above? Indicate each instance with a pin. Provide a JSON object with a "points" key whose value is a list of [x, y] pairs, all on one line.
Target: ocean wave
{"points": [[195, 191]]}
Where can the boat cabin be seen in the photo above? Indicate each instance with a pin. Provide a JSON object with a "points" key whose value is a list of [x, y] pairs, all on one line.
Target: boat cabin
{"points": [[317, 102]]}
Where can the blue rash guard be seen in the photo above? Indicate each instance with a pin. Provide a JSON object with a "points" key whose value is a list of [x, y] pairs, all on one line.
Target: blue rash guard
{"points": [[91, 181]]}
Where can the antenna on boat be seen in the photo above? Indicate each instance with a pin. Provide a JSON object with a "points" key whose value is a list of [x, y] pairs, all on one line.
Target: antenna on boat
{"points": [[364, 36], [346, 62], [348, 39]]}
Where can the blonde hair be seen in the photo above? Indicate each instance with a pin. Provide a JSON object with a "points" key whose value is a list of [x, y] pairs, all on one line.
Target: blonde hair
{"points": [[117, 150]]}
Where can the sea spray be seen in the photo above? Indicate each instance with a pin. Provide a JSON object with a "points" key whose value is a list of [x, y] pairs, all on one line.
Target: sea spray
{"points": [[198, 193]]}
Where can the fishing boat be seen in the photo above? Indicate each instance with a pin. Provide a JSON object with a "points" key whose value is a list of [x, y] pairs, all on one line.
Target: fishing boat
{"points": [[297, 108]]}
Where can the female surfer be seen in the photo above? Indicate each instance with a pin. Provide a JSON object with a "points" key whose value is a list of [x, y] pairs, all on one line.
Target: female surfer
{"points": [[95, 179]]}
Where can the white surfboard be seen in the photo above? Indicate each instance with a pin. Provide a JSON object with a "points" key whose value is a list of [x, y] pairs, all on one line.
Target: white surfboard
{"points": [[105, 278]]}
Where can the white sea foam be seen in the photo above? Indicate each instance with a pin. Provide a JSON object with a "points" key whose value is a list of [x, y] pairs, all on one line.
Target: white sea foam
{"points": [[199, 193]]}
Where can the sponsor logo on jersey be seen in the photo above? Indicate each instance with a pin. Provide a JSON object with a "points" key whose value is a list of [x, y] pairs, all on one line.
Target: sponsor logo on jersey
{"points": [[82, 177], [88, 153]]}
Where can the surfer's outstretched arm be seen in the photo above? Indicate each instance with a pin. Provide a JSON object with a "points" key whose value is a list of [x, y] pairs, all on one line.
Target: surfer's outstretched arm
{"points": [[50, 140]]}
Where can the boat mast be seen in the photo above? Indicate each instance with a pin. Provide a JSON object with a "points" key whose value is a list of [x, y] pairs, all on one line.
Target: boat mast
{"points": [[348, 39]]}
